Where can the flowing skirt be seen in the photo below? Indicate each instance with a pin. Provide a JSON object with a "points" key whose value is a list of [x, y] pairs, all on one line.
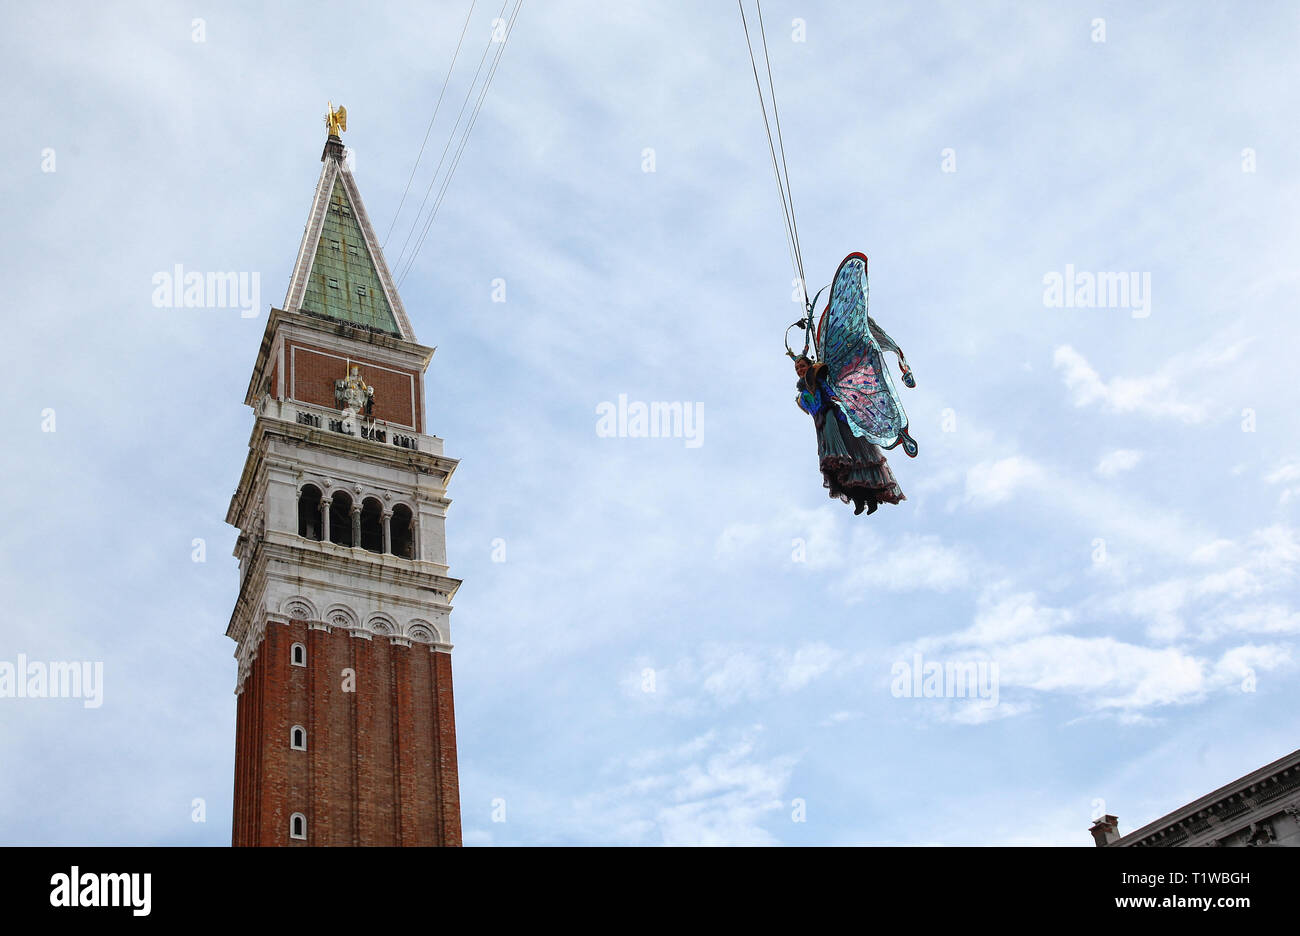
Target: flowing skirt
{"points": [[853, 468]]}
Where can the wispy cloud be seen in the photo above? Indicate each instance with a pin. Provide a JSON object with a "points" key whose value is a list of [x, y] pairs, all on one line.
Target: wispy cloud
{"points": [[1118, 461], [1177, 390], [1034, 650], [993, 482], [1003, 617], [704, 792], [1285, 474], [1213, 600], [821, 540], [719, 676]]}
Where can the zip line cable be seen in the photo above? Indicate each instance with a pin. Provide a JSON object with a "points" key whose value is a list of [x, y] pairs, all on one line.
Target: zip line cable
{"points": [[785, 210], [460, 147], [787, 203], [405, 243], [478, 106], [789, 191], [402, 256], [429, 129], [464, 140]]}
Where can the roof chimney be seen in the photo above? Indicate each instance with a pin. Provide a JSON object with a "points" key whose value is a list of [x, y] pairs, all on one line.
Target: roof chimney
{"points": [[1105, 830]]}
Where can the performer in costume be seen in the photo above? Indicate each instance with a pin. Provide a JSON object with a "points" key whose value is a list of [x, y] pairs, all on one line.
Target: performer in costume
{"points": [[853, 469], [850, 395]]}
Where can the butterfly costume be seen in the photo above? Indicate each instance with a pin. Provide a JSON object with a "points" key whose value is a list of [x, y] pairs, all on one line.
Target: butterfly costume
{"points": [[851, 397]]}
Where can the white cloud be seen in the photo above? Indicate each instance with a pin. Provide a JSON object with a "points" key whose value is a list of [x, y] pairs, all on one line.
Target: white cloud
{"points": [[704, 792], [808, 663], [975, 712], [1277, 548], [1156, 395], [1101, 509], [1266, 564], [1108, 673], [1118, 461], [1254, 619], [992, 482], [1289, 471], [1152, 396], [1247, 660], [825, 539], [1162, 604], [643, 761], [912, 563], [814, 534], [1000, 618], [723, 675], [739, 675], [838, 718], [1212, 551], [1028, 642]]}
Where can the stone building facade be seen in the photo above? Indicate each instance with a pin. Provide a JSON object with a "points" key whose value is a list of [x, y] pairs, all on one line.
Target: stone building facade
{"points": [[1261, 808]]}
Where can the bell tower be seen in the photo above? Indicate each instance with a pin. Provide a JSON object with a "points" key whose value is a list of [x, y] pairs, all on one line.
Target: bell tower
{"points": [[345, 730]]}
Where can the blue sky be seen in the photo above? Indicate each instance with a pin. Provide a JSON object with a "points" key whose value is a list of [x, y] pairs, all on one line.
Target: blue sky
{"points": [[1104, 505]]}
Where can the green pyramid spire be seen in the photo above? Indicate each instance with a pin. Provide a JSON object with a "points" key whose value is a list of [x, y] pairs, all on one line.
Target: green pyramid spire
{"points": [[343, 283]]}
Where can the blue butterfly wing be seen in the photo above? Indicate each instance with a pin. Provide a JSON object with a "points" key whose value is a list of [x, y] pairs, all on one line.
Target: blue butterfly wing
{"points": [[856, 369]]}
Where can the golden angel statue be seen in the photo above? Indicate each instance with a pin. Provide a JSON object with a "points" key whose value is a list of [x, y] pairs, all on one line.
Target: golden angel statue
{"points": [[336, 120]]}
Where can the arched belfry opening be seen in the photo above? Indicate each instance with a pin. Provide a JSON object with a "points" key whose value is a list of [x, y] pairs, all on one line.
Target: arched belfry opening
{"points": [[309, 512], [403, 535], [372, 525], [341, 519]]}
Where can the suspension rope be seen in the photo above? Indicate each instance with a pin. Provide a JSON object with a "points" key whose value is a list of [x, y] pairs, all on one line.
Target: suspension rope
{"points": [[464, 140], [450, 137], [789, 192], [429, 129], [783, 186]]}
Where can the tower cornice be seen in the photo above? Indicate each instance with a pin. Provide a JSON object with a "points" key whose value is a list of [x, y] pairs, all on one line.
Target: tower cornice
{"points": [[268, 427], [316, 566]]}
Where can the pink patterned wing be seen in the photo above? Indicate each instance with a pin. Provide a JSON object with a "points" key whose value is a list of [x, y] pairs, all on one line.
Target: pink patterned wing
{"points": [[857, 371]]}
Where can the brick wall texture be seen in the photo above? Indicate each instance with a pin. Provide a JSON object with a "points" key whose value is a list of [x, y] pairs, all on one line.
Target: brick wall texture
{"points": [[380, 764], [312, 372]]}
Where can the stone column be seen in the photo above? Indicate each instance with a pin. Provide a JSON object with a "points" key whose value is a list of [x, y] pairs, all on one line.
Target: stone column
{"points": [[356, 524], [386, 522], [324, 519]]}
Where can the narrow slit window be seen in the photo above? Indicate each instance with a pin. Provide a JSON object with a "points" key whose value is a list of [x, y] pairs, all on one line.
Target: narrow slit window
{"points": [[298, 738], [298, 826], [298, 656]]}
